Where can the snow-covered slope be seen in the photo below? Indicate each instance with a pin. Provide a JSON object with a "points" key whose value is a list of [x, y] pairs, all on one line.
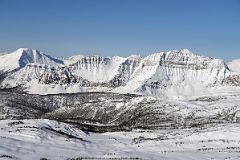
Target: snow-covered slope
{"points": [[47, 139], [235, 65], [24, 56], [3, 53]]}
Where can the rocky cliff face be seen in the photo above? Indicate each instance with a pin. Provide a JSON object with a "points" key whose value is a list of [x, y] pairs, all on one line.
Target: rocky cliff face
{"points": [[150, 75]]}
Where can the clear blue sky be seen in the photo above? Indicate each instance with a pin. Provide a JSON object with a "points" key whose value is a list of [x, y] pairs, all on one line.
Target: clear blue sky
{"points": [[121, 27]]}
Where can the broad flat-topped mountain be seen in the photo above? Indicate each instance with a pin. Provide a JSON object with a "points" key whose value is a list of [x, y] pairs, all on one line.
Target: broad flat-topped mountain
{"points": [[177, 72]]}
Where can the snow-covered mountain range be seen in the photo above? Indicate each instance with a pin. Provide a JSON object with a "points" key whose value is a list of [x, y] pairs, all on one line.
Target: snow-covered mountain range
{"points": [[190, 108], [175, 72]]}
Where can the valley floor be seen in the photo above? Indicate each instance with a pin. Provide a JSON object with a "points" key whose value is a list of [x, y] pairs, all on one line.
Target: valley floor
{"points": [[41, 138]]}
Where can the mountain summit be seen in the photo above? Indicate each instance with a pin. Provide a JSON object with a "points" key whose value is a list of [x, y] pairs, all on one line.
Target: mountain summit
{"points": [[23, 56]]}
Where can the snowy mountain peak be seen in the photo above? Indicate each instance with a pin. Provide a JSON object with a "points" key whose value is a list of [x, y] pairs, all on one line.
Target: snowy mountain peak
{"points": [[36, 56], [23, 56], [180, 53], [24, 50], [185, 51]]}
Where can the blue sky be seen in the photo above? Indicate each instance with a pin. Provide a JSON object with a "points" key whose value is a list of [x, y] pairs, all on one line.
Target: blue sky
{"points": [[121, 27]]}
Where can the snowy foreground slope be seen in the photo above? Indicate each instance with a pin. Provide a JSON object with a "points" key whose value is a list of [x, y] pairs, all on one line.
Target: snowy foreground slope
{"points": [[36, 139]]}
